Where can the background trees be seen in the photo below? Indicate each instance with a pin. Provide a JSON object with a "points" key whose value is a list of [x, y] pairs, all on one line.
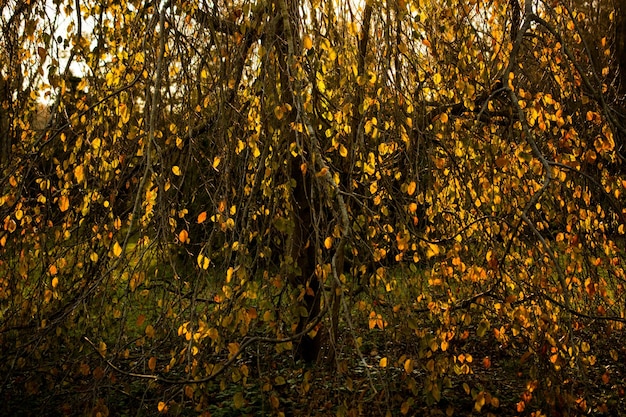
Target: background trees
{"points": [[405, 193]]}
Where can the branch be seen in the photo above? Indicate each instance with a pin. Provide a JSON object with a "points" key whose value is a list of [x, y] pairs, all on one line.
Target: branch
{"points": [[247, 342]]}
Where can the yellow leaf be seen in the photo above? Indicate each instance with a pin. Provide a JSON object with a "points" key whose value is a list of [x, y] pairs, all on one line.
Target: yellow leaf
{"points": [[124, 112], [117, 249], [201, 217], [203, 261], [437, 78], [233, 349], [408, 366], [150, 331], [176, 170], [444, 118], [343, 151], [55, 282], [183, 236], [64, 203], [279, 112], [411, 189], [328, 242], [216, 162], [10, 226], [307, 42], [238, 400], [162, 407], [79, 173], [383, 362], [96, 143]]}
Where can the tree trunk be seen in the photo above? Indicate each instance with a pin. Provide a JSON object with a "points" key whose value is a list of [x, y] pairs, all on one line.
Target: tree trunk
{"points": [[300, 247]]}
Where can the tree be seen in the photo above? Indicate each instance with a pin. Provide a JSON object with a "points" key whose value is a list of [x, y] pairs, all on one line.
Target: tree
{"points": [[414, 182]]}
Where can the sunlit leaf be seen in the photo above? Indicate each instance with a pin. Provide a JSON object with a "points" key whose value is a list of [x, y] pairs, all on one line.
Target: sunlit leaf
{"points": [[307, 42], [64, 203]]}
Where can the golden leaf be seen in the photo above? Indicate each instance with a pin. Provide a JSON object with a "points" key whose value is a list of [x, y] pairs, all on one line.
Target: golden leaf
{"points": [[176, 170], [95, 144], [233, 349], [238, 400], [150, 331], [79, 173], [117, 249], [411, 189], [203, 261], [307, 42], [322, 172], [64, 203], [279, 112], [229, 274]]}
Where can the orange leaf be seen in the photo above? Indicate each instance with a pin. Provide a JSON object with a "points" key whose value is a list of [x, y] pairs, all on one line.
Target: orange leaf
{"points": [[201, 217], [183, 236], [64, 203], [487, 362]]}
